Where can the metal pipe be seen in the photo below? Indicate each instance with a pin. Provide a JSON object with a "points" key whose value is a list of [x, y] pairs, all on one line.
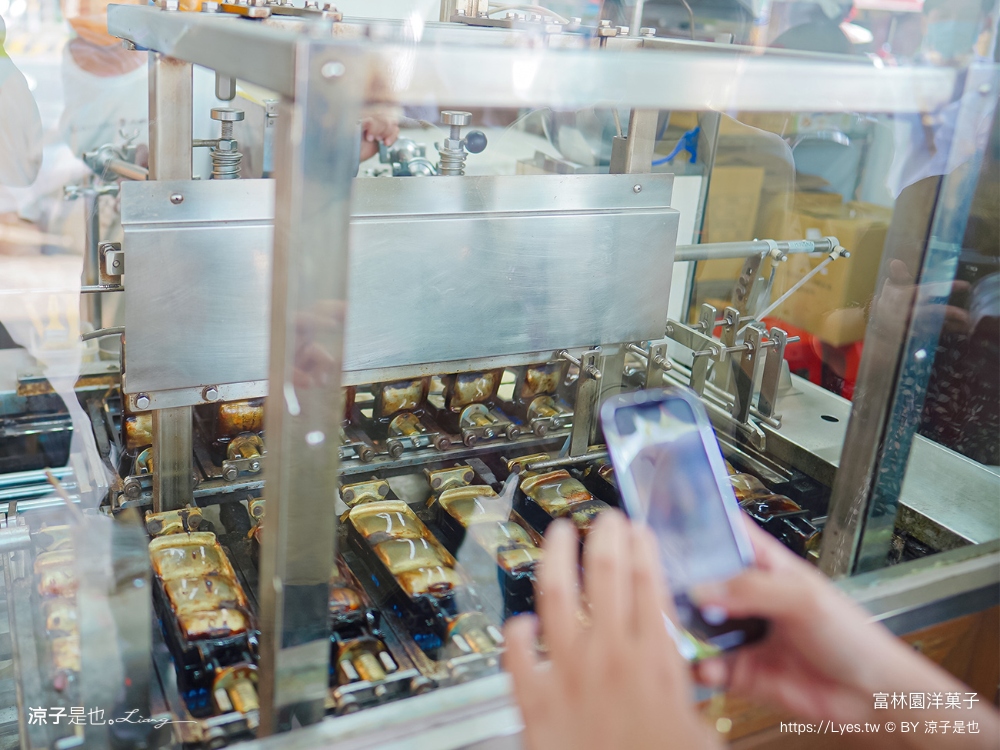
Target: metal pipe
{"points": [[723, 250], [102, 332], [14, 538], [555, 463], [128, 170], [92, 259], [31, 477]]}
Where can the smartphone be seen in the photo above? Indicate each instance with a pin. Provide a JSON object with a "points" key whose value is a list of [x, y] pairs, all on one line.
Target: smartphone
{"points": [[672, 476]]}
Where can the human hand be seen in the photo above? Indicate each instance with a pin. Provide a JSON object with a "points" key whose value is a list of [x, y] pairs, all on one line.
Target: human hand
{"points": [[822, 659], [375, 128], [614, 678]]}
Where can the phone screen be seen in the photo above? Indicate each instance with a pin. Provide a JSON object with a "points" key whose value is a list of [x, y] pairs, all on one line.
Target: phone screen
{"points": [[663, 456]]}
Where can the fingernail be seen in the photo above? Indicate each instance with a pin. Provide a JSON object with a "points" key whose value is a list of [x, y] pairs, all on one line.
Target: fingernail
{"points": [[713, 614]]}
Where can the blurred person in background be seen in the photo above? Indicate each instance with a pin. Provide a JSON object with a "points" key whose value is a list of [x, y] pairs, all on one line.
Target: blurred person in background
{"points": [[818, 28], [20, 124]]}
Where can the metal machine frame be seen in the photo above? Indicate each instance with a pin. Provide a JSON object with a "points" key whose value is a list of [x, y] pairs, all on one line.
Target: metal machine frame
{"points": [[324, 78]]}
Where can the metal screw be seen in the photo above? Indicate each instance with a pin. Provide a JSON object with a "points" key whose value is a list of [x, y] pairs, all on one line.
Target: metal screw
{"points": [[229, 473], [647, 31], [211, 393], [332, 69], [637, 188], [348, 495], [176, 199], [984, 89], [142, 401], [604, 23]]}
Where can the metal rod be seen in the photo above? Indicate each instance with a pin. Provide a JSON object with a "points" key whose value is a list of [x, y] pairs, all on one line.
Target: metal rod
{"points": [[795, 287], [92, 258], [32, 477], [128, 170], [726, 250], [102, 332], [555, 463]]}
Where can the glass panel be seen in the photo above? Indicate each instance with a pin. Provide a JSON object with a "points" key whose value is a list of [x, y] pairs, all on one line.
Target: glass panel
{"points": [[347, 402]]}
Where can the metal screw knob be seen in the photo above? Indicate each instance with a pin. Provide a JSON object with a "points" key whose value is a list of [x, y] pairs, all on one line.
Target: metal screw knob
{"points": [[211, 393], [451, 117], [142, 401], [227, 114]]}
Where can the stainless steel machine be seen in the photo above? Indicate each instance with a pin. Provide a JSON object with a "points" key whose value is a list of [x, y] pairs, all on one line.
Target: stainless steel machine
{"points": [[346, 408]]}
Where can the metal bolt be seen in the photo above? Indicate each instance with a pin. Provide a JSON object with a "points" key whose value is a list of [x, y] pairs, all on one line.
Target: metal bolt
{"points": [[229, 473], [333, 69], [623, 30], [637, 188], [176, 198], [647, 31], [210, 7], [132, 488], [460, 12], [211, 393], [604, 23], [984, 89], [513, 432], [142, 401], [348, 495], [488, 433], [509, 16], [575, 21]]}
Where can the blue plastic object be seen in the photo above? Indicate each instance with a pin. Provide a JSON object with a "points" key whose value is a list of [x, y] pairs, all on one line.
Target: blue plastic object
{"points": [[688, 142]]}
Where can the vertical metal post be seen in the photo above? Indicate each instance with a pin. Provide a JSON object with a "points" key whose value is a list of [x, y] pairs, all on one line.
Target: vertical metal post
{"points": [[170, 118], [172, 464], [170, 124], [634, 154], [315, 166], [91, 261]]}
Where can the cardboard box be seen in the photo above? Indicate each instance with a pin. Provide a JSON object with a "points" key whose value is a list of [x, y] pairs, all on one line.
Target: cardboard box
{"points": [[731, 215], [833, 305]]}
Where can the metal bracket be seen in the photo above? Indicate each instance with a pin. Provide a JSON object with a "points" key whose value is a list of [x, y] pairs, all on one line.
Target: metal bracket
{"points": [[746, 374], [585, 408], [767, 401], [656, 361]]}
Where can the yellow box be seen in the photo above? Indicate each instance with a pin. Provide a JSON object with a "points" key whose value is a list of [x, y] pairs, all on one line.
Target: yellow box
{"points": [[731, 215], [833, 305]]}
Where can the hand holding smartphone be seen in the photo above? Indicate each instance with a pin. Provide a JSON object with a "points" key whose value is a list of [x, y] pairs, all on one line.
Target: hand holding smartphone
{"points": [[672, 476]]}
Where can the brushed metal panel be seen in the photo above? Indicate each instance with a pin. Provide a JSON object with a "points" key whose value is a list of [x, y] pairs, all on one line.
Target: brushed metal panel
{"points": [[441, 269], [483, 286], [197, 295]]}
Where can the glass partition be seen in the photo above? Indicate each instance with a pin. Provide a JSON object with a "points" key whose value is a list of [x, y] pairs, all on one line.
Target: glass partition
{"points": [[315, 353]]}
